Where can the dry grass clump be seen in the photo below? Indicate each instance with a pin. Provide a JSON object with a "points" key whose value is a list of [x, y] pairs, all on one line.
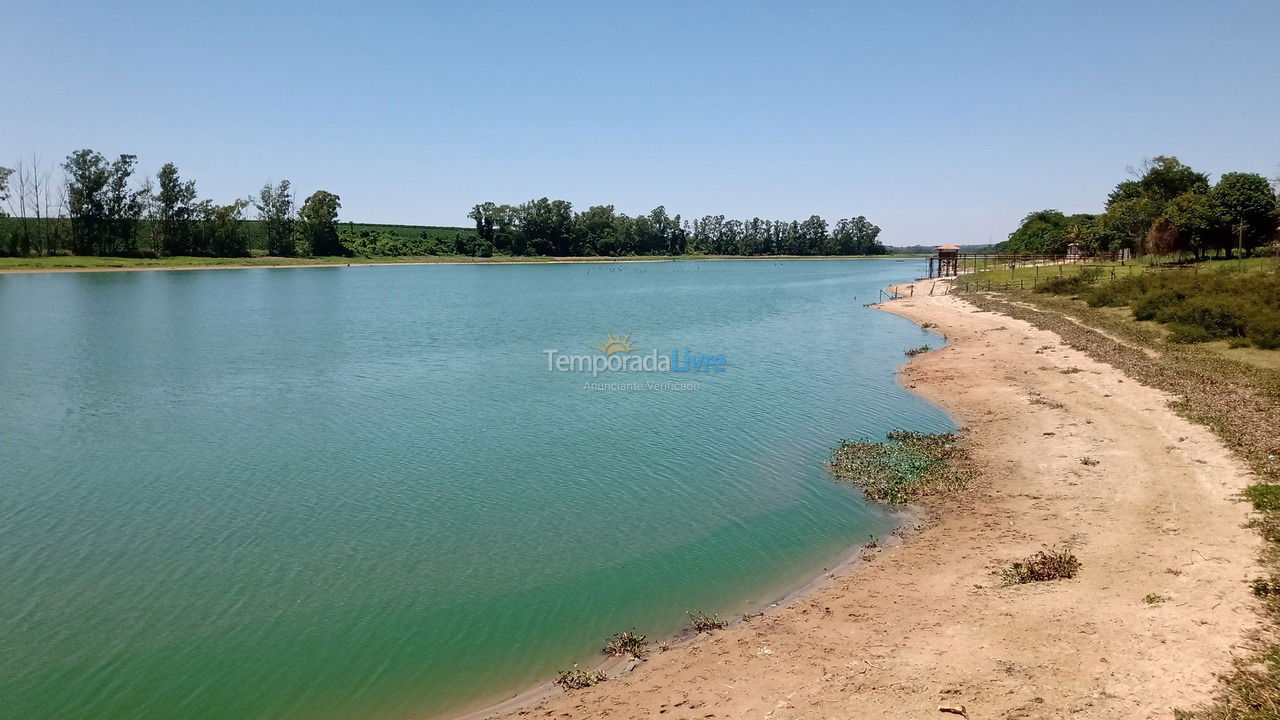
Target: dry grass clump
{"points": [[626, 644], [577, 679], [1047, 564], [1088, 461], [918, 351], [1154, 598], [1251, 691], [704, 623], [909, 466]]}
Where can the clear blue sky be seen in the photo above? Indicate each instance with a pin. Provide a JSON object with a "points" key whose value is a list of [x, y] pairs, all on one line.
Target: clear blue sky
{"points": [[938, 121]]}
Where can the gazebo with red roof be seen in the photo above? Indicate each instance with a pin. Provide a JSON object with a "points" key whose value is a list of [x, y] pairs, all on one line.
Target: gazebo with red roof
{"points": [[948, 260]]}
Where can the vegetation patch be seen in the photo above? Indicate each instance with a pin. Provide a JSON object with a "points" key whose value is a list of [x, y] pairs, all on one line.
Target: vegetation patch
{"points": [[1243, 308], [1154, 598], [909, 466], [626, 644], [577, 679], [1265, 498], [918, 351], [704, 623], [1047, 564]]}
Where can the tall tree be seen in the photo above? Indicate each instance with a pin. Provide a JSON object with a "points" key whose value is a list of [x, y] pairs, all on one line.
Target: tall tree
{"points": [[317, 226], [1248, 206], [275, 212], [104, 210], [174, 205]]}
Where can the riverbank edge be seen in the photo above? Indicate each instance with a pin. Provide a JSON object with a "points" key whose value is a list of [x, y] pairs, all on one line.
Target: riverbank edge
{"points": [[338, 262], [910, 518]]}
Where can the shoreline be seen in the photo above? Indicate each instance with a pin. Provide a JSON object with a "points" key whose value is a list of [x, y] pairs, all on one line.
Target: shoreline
{"points": [[909, 519], [378, 262], [923, 624]]}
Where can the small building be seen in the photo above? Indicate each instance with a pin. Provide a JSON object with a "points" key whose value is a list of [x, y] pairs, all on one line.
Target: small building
{"points": [[1073, 250], [948, 260]]}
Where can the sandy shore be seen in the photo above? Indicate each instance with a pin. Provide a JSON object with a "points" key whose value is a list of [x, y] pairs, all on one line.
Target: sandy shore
{"points": [[926, 623]]}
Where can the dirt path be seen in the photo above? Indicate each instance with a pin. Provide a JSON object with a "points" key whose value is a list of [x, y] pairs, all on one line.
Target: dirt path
{"points": [[926, 623]]}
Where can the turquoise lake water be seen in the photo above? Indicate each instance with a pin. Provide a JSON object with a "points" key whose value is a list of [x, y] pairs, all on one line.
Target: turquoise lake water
{"points": [[336, 493]]}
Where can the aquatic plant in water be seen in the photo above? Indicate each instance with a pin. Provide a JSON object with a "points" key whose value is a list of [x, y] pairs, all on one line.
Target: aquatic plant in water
{"points": [[909, 466]]}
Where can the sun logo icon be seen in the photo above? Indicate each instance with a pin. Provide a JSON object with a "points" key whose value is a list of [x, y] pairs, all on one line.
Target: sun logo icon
{"points": [[611, 344]]}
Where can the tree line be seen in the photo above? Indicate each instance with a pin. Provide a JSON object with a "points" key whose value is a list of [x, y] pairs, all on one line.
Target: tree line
{"points": [[551, 227], [1166, 208], [99, 207]]}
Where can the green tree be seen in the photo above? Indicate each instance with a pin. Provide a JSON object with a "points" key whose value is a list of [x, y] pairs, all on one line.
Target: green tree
{"points": [[174, 204], [275, 212], [317, 226], [219, 229], [104, 211], [1042, 231], [1196, 220], [1247, 205]]}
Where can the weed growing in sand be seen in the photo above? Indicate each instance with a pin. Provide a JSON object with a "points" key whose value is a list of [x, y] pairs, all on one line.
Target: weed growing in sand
{"points": [[909, 466], [918, 351], [1071, 370], [704, 623], [1047, 564], [1154, 598], [1266, 587], [576, 679], [1090, 462], [630, 643], [1036, 398]]}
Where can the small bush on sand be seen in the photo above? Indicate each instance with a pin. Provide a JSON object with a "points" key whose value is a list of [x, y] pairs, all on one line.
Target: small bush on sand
{"points": [[1266, 587], [918, 351], [1047, 564], [624, 644], [1155, 598], [576, 679], [1088, 461], [911, 465], [704, 623]]}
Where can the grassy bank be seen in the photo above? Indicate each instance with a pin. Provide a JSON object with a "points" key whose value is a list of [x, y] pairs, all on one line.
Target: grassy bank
{"points": [[1233, 391]]}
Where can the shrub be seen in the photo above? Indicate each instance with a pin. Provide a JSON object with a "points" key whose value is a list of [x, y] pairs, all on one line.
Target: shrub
{"points": [[1152, 305], [576, 679], [628, 643], [1047, 564], [1220, 317], [1068, 285], [1154, 598], [1189, 334], [1265, 332], [702, 622], [1109, 295]]}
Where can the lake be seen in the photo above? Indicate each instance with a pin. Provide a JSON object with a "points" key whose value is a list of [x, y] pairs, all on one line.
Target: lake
{"points": [[372, 492]]}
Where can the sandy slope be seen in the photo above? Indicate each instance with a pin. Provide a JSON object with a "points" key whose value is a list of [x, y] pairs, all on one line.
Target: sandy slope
{"points": [[926, 623]]}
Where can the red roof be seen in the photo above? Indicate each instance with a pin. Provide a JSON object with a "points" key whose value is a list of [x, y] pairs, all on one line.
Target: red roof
{"points": [[948, 246]]}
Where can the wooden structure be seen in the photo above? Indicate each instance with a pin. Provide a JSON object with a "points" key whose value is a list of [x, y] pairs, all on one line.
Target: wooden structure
{"points": [[948, 261]]}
